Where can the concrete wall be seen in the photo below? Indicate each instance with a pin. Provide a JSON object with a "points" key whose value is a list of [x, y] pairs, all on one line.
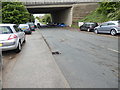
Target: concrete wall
{"points": [[83, 9], [63, 16]]}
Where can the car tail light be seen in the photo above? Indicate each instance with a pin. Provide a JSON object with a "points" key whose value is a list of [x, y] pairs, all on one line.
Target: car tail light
{"points": [[12, 37], [28, 28], [32, 26]]}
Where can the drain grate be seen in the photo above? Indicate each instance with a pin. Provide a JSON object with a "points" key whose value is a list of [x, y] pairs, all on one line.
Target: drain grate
{"points": [[56, 53]]}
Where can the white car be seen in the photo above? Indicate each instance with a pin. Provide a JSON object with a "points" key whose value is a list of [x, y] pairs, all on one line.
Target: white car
{"points": [[11, 37]]}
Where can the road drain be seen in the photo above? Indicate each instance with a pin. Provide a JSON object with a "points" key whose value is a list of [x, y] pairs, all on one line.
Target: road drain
{"points": [[55, 53]]}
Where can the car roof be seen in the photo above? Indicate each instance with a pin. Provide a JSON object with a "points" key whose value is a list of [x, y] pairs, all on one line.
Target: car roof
{"points": [[29, 23], [23, 24], [116, 22], [7, 24], [113, 21], [90, 23]]}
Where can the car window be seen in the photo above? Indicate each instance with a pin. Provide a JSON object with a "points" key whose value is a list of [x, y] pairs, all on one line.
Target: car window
{"points": [[5, 30], [111, 23], [16, 28], [88, 25], [84, 25], [104, 24], [31, 25]]}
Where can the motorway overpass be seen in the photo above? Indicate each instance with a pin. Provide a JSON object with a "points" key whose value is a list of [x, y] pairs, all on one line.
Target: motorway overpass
{"points": [[62, 11]]}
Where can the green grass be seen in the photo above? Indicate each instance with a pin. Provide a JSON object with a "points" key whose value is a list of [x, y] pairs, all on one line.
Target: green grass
{"points": [[74, 26], [95, 17]]}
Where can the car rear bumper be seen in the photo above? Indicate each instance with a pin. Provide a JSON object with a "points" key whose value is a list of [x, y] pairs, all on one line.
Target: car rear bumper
{"points": [[9, 48], [118, 31], [9, 45]]}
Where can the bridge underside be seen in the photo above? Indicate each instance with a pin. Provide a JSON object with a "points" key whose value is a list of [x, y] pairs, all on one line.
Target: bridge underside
{"points": [[60, 14], [67, 14]]}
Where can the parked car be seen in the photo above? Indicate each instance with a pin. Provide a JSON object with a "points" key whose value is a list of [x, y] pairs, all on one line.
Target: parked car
{"points": [[38, 25], [112, 27], [51, 24], [62, 25], [88, 26], [1, 60], [25, 28], [31, 25], [11, 37]]}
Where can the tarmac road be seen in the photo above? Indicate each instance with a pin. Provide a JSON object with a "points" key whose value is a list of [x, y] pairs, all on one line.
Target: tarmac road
{"points": [[87, 60]]}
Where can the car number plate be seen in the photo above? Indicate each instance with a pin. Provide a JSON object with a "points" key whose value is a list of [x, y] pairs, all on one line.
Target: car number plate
{"points": [[23, 28], [1, 44]]}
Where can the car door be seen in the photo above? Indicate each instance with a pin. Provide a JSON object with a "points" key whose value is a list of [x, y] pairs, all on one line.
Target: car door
{"points": [[20, 33], [103, 28], [83, 27], [110, 26]]}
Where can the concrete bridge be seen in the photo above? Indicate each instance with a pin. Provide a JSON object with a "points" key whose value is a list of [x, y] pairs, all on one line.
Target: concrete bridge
{"points": [[62, 11]]}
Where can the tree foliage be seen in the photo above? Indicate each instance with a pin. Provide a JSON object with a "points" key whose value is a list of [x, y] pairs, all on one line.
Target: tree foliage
{"points": [[31, 19], [14, 12], [0, 12], [111, 9], [105, 12], [46, 18]]}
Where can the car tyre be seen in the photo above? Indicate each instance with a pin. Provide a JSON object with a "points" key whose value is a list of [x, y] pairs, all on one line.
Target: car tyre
{"points": [[113, 32], [96, 31], [24, 41], [19, 47], [80, 29]]}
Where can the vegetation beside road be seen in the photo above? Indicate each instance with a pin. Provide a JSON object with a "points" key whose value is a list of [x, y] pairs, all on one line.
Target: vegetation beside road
{"points": [[15, 12], [105, 12], [45, 19]]}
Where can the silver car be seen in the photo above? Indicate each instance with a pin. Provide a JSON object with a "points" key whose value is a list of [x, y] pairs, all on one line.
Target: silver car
{"points": [[112, 27], [11, 37]]}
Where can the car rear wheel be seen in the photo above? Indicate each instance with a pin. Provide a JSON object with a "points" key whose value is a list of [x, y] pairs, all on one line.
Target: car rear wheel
{"points": [[113, 32], [24, 41], [96, 31], [19, 47]]}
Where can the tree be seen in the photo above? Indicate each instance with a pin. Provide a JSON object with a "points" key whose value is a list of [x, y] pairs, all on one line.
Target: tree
{"points": [[0, 12], [46, 18], [31, 19], [111, 9], [14, 12]]}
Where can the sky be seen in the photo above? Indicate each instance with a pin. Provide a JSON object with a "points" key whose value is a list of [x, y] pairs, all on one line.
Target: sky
{"points": [[38, 15]]}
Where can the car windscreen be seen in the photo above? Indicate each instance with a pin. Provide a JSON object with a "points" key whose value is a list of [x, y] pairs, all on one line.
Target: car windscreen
{"points": [[5, 30], [31, 25], [89, 25]]}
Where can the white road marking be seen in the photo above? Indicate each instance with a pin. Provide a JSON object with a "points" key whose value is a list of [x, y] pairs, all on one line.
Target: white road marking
{"points": [[113, 50]]}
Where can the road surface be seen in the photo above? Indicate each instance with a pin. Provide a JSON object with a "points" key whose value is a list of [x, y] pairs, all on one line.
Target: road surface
{"points": [[87, 60]]}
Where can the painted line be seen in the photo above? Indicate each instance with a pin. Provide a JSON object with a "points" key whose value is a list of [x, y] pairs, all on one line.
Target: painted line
{"points": [[113, 50]]}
